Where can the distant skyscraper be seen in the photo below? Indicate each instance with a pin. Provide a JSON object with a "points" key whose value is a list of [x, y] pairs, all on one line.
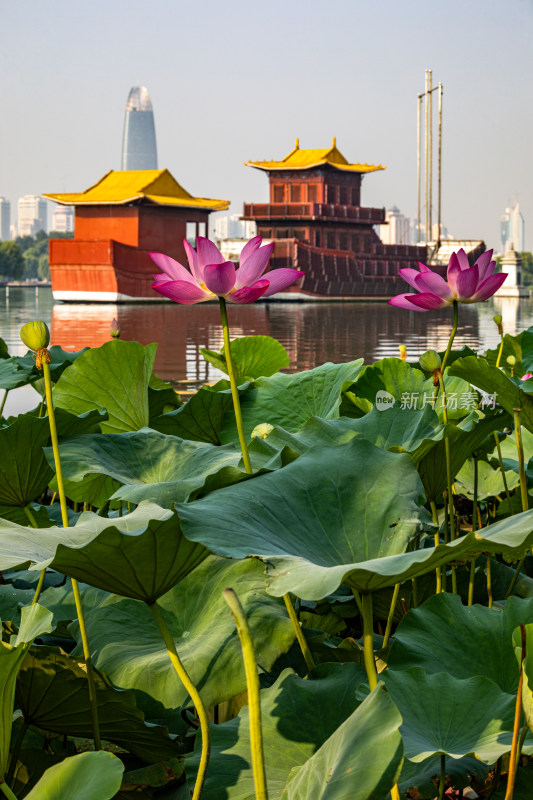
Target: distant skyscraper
{"points": [[63, 219], [398, 229], [32, 215], [139, 150], [512, 229], [5, 218]]}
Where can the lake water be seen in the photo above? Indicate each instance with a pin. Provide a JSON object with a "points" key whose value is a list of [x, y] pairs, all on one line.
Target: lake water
{"points": [[312, 333]]}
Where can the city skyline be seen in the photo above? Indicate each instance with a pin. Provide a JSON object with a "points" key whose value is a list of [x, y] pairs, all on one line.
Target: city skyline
{"points": [[232, 87]]}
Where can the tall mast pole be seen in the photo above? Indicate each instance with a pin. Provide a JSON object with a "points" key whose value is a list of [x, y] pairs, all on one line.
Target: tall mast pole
{"points": [[430, 156], [426, 158], [418, 164], [440, 163]]}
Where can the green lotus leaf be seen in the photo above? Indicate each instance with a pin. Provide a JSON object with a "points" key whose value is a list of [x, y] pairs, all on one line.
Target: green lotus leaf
{"points": [[18, 515], [489, 480], [510, 394], [465, 641], [35, 620], [512, 346], [297, 717], [527, 684], [13, 374], [409, 387], [522, 785], [71, 425], [59, 361], [445, 715], [424, 775], [360, 761], [160, 395], [337, 514], [509, 450], [93, 776], [141, 555], [290, 400], [24, 472], [12, 601], [114, 376], [53, 694], [203, 630], [201, 417], [60, 600], [93, 489], [154, 466], [252, 357]]}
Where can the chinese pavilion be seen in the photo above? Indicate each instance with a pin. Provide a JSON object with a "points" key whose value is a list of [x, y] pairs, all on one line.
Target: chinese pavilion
{"points": [[318, 225], [118, 221]]}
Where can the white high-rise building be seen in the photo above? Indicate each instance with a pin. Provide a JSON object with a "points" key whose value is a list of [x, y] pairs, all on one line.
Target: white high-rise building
{"points": [[231, 226], [32, 215], [512, 229], [5, 219], [398, 229], [63, 219]]}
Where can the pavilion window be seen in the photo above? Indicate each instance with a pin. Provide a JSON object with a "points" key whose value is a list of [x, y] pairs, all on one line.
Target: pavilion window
{"points": [[331, 194], [278, 193], [296, 192], [330, 240], [312, 193], [343, 241], [343, 195]]}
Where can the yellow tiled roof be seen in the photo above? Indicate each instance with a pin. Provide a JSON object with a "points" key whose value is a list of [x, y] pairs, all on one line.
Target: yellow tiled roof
{"points": [[119, 187], [306, 159]]}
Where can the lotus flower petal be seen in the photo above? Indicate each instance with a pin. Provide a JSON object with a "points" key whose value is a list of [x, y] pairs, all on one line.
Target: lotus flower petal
{"points": [[251, 270], [488, 287], [192, 257], [423, 267], [484, 265], [249, 294], [280, 279], [462, 258], [404, 301], [433, 283], [467, 283], [410, 275], [220, 278], [208, 253], [428, 301], [182, 292], [249, 248], [161, 277], [172, 268]]}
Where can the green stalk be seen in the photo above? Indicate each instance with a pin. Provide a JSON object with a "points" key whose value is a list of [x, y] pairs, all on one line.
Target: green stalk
{"points": [[254, 701], [500, 351], [474, 528], [4, 401], [435, 518], [7, 791], [451, 510], [304, 647], [517, 572], [502, 468], [392, 608], [368, 641], [193, 692], [75, 587], [521, 743], [489, 583], [452, 335], [516, 727], [442, 780], [521, 463], [40, 582], [233, 384]]}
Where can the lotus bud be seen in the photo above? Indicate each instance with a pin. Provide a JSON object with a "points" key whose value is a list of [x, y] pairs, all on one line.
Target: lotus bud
{"points": [[35, 335], [498, 320], [403, 352], [261, 431], [511, 360], [168, 408], [114, 329], [527, 376], [430, 361]]}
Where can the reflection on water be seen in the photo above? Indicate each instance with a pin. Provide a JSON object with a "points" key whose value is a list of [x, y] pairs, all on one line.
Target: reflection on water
{"points": [[312, 333]]}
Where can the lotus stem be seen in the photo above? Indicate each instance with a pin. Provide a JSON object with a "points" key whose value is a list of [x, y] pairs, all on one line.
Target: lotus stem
{"points": [[472, 577], [451, 511], [194, 694], [514, 579], [368, 641], [64, 517], [33, 523], [4, 398], [304, 647], [489, 583], [452, 335], [502, 468], [254, 701], [438, 573], [521, 743], [392, 608], [395, 792], [500, 351], [521, 463], [516, 727], [234, 389], [16, 752], [7, 791], [442, 780]]}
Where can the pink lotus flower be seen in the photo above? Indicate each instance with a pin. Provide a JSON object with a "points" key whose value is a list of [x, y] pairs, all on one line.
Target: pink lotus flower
{"points": [[212, 276], [465, 284], [527, 376]]}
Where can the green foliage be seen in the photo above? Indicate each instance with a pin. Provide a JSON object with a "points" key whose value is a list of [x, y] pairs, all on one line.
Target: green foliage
{"points": [[11, 261]]}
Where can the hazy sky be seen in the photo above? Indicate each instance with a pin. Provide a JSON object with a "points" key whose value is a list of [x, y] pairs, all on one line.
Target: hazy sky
{"points": [[232, 81]]}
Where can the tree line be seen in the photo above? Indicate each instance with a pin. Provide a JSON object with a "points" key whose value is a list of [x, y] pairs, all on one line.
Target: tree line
{"points": [[26, 258]]}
